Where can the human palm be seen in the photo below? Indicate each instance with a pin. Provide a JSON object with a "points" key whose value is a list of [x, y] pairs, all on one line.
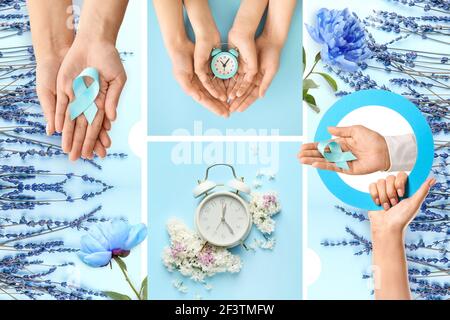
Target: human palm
{"points": [[183, 70], [248, 64], [80, 138], [398, 217], [46, 86], [368, 146], [268, 63], [370, 149], [202, 58]]}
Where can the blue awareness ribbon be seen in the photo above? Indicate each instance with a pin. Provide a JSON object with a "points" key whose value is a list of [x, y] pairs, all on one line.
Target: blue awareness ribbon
{"points": [[335, 155], [85, 96]]}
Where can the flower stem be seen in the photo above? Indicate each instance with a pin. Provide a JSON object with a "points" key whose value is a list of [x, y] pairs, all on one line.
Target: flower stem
{"points": [[127, 279], [312, 69]]}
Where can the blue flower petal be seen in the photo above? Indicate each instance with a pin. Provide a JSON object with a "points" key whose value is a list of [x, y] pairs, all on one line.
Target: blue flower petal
{"points": [[96, 260], [136, 235], [90, 245], [117, 232], [343, 38], [97, 234]]}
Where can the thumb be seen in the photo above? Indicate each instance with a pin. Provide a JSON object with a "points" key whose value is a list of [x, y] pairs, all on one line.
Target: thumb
{"points": [[419, 197], [113, 96], [342, 132]]}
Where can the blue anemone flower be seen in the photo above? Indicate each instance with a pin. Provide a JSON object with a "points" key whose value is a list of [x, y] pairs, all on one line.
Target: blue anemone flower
{"points": [[343, 38], [110, 239]]}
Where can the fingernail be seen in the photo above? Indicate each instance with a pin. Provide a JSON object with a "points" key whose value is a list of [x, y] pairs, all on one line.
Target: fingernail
{"points": [[377, 201], [400, 192], [393, 201], [386, 206], [432, 182]]}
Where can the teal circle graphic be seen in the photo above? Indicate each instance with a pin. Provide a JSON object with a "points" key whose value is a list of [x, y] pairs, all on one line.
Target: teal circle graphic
{"points": [[395, 102]]}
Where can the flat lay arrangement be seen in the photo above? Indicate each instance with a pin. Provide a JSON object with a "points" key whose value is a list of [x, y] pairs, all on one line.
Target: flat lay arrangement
{"points": [[224, 158]]}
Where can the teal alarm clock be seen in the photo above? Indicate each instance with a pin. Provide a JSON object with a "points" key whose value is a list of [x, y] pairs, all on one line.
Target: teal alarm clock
{"points": [[224, 64]]}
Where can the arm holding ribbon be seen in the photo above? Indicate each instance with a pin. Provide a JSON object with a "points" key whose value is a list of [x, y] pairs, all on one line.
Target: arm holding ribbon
{"points": [[358, 150], [53, 35], [91, 80]]}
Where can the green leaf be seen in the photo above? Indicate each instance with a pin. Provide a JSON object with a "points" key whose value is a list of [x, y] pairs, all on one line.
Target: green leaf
{"points": [[116, 296], [121, 263], [144, 289], [311, 101], [330, 80], [309, 84], [304, 60], [318, 57]]}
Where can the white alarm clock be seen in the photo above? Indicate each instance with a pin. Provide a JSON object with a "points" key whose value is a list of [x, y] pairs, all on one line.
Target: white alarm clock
{"points": [[223, 218]]}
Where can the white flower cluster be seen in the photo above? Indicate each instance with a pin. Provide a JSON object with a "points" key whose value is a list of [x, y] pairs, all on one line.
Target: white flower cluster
{"points": [[263, 206], [189, 254]]}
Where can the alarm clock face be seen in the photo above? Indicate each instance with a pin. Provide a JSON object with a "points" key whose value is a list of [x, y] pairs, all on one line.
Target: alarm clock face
{"points": [[223, 219], [224, 65]]}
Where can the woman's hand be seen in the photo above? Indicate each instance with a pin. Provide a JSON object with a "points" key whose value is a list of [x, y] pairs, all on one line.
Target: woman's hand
{"points": [[368, 146], [388, 227], [268, 52], [79, 138], [397, 218], [243, 81], [182, 58], [388, 192], [204, 45]]}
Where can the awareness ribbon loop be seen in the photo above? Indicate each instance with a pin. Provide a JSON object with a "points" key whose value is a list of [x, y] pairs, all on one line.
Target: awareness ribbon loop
{"points": [[336, 155], [85, 96]]}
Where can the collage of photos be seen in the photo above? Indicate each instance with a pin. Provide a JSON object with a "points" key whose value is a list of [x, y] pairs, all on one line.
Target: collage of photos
{"points": [[209, 153]]}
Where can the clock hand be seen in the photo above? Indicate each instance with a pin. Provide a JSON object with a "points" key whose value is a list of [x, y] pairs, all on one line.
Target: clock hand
{"points": [[226, 62], [229, 228]]}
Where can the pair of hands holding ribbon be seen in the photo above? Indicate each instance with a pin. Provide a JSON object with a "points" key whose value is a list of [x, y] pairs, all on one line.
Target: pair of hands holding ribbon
{"points": [[358, 150], [258, 58], [61, 56]]}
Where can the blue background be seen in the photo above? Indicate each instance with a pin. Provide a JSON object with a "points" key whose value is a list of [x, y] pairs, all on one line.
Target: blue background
{"points": [[170, 108], [265, 274], [113, 173]]}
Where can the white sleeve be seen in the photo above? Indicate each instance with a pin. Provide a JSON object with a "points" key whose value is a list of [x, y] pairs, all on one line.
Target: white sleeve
{"points": [[402, 152]]}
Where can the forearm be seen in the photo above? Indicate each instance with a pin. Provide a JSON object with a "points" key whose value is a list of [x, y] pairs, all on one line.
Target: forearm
{"points": [[171, 22], [390, 266], [202, 21], [278, 20], [101, 20], [249, 16], [51, 27]]}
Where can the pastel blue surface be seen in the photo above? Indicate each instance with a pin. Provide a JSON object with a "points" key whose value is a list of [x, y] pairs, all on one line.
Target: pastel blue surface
{"points": [[113, 173], [265, 274], [170, 108], [422, 132], [341, 271]]}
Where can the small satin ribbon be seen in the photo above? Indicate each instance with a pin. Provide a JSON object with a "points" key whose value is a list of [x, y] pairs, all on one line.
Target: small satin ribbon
{"points": [[85, 96], [336, 155]]}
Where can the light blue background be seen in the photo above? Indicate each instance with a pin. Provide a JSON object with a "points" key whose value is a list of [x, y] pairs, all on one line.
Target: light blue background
{"points": [[265, 274], [170, 108], [341, 271], [124, 199]]}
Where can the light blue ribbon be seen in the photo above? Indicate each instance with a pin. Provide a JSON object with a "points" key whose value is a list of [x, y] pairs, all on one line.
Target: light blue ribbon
{"points": [[335, 155], [85, 96]]}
